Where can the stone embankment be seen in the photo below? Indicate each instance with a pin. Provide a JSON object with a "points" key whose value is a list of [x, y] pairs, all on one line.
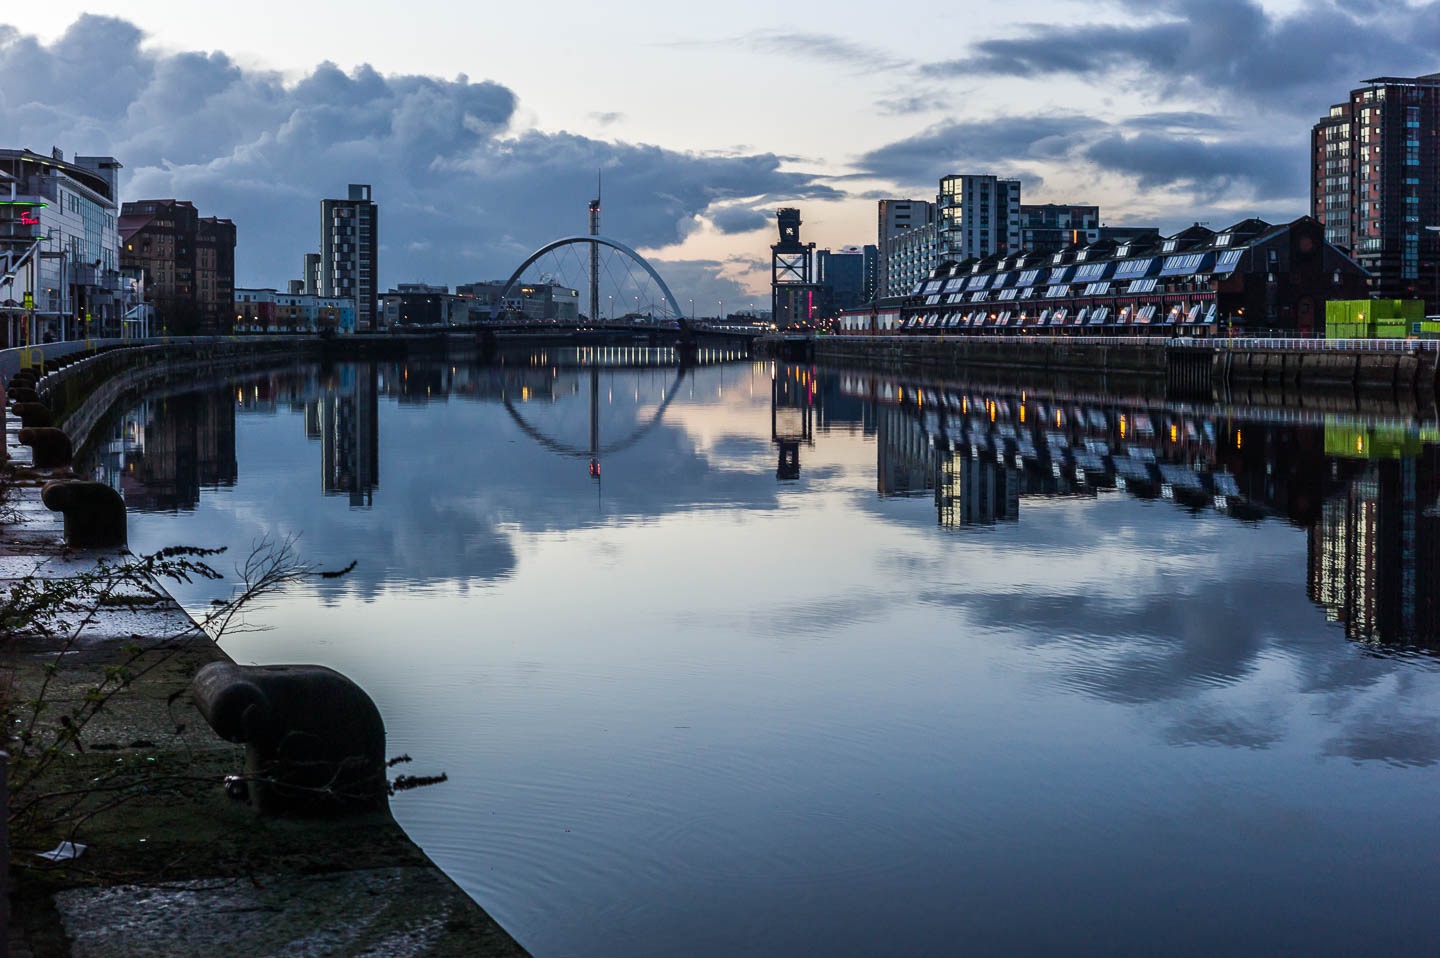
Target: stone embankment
{"points": [[173, 861]]}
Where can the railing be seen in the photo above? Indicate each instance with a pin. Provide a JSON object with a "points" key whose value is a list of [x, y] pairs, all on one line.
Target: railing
{"points": [[1316, 345], [1193, 342]]}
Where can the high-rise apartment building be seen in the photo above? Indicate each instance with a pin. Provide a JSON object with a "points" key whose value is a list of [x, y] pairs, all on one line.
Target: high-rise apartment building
{"points": [[1375, 169], [310, 281], [187, 263], [349, 253], [979, 216]]}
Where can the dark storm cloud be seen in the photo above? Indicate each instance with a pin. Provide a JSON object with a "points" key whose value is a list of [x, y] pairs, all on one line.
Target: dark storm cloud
{"points": [[982, 145], [1157, 160], [1232, 48], [462, 196], [740, 219], [1158, 150]]}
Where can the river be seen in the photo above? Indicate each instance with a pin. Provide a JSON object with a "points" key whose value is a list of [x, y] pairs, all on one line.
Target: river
{"points": [[746, 659]]}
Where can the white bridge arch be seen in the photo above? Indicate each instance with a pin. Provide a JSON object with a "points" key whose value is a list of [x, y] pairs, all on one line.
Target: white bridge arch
{"points": [[589, 241]]}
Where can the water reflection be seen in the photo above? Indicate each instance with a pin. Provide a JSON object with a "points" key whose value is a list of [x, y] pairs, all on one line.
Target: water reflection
{"points": [[163, 451], [1366, 491], [834, 651]]}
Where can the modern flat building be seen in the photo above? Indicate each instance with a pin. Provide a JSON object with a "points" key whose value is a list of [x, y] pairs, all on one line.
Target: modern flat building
{"points": [[60, 274], [895, 218], [910, 257], [536, 302], [310, 281], [1049, 227], [269, 311], [979, 216], [350, 254], [1375, 171], [1253, 276]]}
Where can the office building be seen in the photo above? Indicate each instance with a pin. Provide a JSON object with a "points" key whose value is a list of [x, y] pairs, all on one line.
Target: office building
{"points": [[60, 275], [349, 253], [847, 275], [1375, 168]]}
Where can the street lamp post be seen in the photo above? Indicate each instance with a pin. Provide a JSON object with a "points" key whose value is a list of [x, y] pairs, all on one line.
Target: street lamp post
{"points": [[722, 310]]}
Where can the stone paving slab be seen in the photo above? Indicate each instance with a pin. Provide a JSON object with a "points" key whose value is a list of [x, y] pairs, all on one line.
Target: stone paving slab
{"points": [[364, 915]]}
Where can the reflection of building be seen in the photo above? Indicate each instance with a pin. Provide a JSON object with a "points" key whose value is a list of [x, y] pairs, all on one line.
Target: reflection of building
{"points": [[905, 455], [166, 450], [1374, 552], [973, 492], [347, 418], [792, 417]]}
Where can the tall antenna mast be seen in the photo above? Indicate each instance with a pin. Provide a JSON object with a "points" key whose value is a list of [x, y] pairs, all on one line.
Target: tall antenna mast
{"points": [[595, 254]]}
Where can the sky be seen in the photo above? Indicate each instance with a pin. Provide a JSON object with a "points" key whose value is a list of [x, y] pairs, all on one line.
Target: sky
{"points": [[481, 127]]}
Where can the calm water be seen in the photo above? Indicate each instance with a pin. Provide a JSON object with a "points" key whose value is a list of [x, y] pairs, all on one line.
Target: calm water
{"points": [[837, 665]]}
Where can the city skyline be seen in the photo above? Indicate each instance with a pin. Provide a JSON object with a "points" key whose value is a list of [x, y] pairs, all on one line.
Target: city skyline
{"points": [[1163, 114]]}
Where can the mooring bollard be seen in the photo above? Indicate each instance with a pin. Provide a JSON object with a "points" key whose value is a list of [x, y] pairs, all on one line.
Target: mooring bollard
{"points": [[23, 393], [51, 447], [94, 512], [314, 740]]}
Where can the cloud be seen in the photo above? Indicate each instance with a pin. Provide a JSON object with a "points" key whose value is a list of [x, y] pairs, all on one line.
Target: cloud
{"points": [[827, 47], [1209, 169], [1287, 61], [740, 219], [976, 146], [445, 163], [606, 119], [1198, 162]]}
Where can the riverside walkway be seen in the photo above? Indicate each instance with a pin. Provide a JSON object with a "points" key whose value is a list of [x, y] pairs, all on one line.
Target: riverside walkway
{"points": [[178, 867]]}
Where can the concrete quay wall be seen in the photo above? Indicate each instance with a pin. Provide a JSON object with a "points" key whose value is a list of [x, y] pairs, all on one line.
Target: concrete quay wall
{"points": [[1194, 366]]}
